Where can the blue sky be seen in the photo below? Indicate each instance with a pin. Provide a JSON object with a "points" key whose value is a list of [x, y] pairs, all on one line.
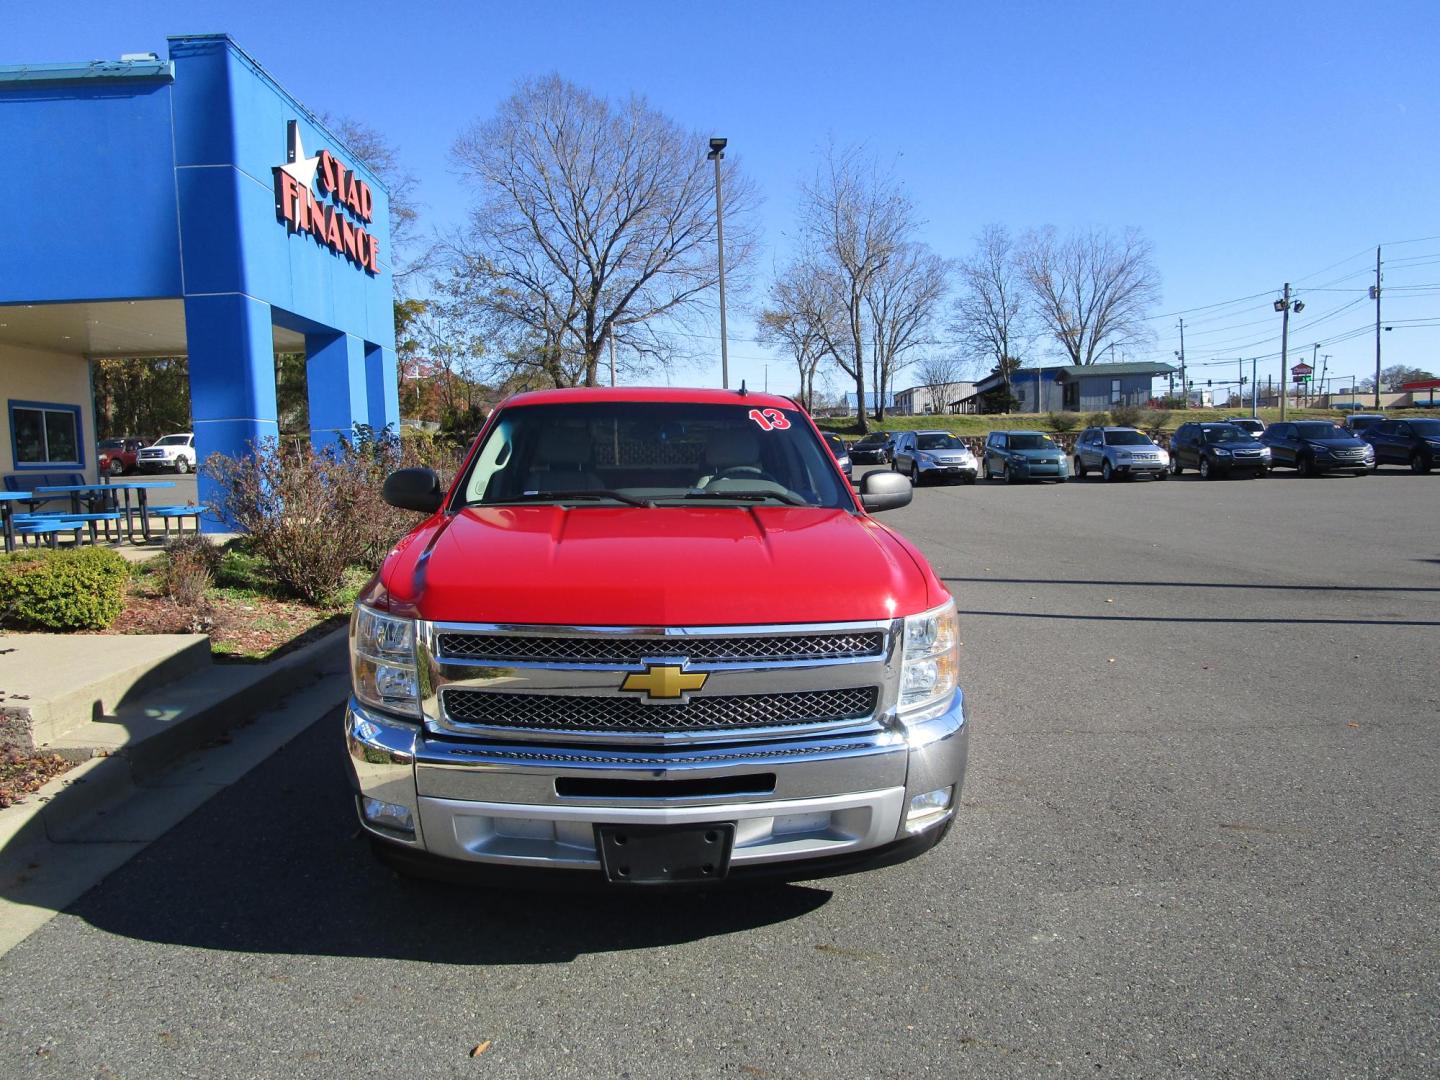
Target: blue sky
{"points": [[1253, 143]]}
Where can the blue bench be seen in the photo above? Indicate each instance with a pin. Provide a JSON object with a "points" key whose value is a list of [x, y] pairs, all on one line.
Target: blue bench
{"points": [[30, 481], [46, 527], [179, 514], [91, 519]]}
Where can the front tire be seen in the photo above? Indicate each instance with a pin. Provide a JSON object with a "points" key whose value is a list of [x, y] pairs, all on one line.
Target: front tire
{"points": [[1207, 471], [182, 466], [1107, 473], [914, 475], [1175, 467], [1419, 463], [115, 467], [1079, 467], [1305, 465]]}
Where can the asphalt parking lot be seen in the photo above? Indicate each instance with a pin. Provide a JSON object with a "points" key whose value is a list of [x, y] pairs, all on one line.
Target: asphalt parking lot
{"points": [[1199, 836]]}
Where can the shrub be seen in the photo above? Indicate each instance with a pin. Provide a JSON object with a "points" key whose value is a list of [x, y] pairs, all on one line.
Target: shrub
{"points": [[190, 568], [1097, 419], [1062, 421], [1126, 415], [1154, 421], [65, 589], [311, 513]]}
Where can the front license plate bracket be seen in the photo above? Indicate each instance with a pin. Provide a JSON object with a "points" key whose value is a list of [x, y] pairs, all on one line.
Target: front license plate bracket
{"points": [[662, 854]]}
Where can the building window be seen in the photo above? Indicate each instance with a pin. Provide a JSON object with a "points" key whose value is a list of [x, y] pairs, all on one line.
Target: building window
{"points": [[44, 434], [1114, 391]]}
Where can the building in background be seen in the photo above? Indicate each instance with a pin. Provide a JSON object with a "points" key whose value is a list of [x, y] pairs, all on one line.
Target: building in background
{"points": [[920, 400], [186, 206], [1083, 388]]}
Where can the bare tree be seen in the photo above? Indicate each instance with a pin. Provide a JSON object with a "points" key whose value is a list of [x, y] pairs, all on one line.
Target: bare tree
{"points": [[594, 222], [990, 320], [901, 302], [938, 373], [855, 222], [1092, 289], [409, 255], [791, 321]]}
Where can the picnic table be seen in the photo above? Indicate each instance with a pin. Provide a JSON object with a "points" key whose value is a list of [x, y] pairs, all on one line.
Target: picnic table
{"points": [[124, 487]]}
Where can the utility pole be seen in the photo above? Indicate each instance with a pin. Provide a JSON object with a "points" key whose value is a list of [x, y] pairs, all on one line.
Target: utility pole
{"points": [[1184, 386], [1254, 386], [1324, 367], [1240, 385], [1284, 306], [612, 358], [1376, 291]]}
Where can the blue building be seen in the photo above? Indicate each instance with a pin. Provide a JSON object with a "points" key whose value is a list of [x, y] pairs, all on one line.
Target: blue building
{"points": [[1072, 388], [186, 206]]}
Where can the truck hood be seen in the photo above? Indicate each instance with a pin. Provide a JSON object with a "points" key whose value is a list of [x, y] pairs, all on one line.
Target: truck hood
{"points": [[628, 566]]}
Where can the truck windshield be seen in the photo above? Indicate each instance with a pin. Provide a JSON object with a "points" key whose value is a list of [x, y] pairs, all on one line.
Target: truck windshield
{"points": [[652, 454]]}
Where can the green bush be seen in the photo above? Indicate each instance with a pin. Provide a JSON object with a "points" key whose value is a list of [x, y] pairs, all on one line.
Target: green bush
{"points": [[64, 589], [1062, 421], [1097, 419], [1126, 415]]}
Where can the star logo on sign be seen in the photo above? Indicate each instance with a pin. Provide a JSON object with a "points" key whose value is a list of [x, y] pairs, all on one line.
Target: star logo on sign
{"points": [[298, 165]]}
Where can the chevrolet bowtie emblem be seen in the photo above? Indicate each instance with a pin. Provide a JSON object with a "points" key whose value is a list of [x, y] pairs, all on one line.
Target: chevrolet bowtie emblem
{"points": [[664, 681]]}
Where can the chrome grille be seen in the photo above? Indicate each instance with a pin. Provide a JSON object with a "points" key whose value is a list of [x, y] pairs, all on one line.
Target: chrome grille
{"points": [[512, 648], [563, 712]]}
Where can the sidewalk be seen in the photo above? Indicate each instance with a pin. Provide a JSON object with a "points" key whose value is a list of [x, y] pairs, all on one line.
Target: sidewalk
{"points": [[157, 728]]}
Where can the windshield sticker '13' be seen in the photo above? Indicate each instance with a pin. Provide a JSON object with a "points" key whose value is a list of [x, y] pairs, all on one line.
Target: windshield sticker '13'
{"points": [[769, 419]]}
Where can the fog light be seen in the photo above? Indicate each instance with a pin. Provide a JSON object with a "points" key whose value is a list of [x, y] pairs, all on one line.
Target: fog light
{"points": [[387, 815], [927, 809]]}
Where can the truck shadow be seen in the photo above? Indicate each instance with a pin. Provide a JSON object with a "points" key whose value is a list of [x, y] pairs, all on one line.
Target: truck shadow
{"points": [[276, 864]]}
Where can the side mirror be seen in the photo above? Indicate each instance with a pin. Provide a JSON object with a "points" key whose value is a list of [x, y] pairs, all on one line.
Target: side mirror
{"points": [[413, 489], [885, 491]]}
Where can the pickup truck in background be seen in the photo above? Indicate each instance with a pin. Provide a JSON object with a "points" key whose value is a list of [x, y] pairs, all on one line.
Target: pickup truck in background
{"points": [[653, 637]]}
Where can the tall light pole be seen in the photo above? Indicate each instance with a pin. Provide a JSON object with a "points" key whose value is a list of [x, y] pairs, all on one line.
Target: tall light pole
{"points": [[717, 154], [1283, 306]]}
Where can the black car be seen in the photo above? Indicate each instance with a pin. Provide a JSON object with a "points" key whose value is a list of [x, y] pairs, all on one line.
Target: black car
{"points": [[1415, 443], [873, 449], [1217, 450], [1315, 447]]}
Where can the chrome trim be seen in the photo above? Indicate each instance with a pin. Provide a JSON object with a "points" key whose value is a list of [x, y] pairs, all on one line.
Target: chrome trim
{"points": [[500, 772], [604, 680], [564, 836], [381, 755]]}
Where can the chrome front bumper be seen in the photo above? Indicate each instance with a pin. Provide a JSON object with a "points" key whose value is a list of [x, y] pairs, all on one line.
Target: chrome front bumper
{"points": [[500, 803]]}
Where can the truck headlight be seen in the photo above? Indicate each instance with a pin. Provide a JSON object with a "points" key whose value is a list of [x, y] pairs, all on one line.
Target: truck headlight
{"points": [[929, 670], [382, 661]]}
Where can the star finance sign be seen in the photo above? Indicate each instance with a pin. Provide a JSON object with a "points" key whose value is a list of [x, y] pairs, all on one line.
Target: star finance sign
{"points": [[342, 196]]}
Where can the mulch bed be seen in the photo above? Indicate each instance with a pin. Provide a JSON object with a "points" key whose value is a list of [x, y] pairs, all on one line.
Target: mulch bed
{"points": [[239, 630]]}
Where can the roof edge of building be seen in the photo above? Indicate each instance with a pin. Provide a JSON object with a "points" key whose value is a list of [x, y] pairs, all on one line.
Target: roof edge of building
{"points": [[225, 40]]}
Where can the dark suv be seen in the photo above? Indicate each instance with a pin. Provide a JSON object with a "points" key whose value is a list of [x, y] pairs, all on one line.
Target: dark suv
{"points": [[1217, 450], [1314, 447], [1406, 442]]}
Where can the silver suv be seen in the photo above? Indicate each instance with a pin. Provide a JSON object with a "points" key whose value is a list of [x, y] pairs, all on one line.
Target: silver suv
{"points": [[1119, 451], [933, 454]]}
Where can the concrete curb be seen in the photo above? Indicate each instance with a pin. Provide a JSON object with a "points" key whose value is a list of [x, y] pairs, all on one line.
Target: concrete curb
{"points": [[103, 781]]}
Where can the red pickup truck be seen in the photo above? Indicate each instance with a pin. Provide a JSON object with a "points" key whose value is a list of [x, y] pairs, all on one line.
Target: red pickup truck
{"points": [[117, 455], [653, 637]]}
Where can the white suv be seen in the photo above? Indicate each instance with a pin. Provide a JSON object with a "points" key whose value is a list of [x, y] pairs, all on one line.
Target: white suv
{"points": [[169, 452]]}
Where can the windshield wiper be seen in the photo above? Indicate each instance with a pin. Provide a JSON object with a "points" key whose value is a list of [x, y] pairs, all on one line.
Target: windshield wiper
{"points": [[589, 493], [787, 497]]}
